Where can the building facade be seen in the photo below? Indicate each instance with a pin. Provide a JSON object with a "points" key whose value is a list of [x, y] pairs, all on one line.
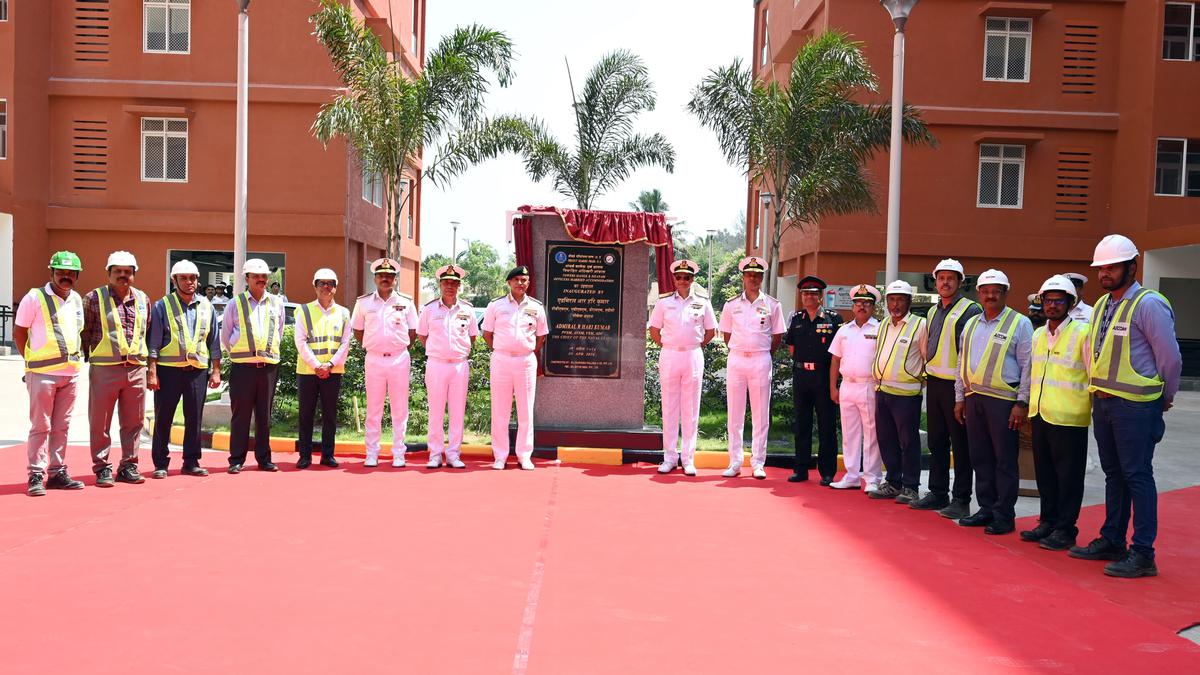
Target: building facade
{"points": [[117, 131], [1057, 123]]}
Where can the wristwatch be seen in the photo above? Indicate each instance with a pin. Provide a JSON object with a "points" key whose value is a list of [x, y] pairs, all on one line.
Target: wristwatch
{"points": [[1023, 404]]}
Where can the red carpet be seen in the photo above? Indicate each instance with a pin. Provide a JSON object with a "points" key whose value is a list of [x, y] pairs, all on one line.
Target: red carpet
{"points": [[560, 571]]}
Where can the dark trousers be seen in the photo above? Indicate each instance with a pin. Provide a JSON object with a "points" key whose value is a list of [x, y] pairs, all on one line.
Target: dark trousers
{"points": [[810, 390], [1059, 462], [175, 383], [994, 449], [1126, 433], [945, 433], [251, 392], [898, 428], [311, 388]]}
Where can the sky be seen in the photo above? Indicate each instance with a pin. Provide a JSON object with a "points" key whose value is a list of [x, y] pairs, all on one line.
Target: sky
{"points": [[678, 41]]}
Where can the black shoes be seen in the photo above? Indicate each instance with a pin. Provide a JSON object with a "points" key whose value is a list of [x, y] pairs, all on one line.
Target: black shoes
{"points": [[826, 481], [268, 466], [978, 519], [932, 501], [798, 477], [104, 477], [1132, 566], [62, 481], [1099, 549], [886, 491], [1058, 540], [160, 474], [128, 473], [329, 462], [957, 510], [906, 496], [192, 471], [1038, 533], [234, 468], [37, 485], [304, 462], [1000, 527]]}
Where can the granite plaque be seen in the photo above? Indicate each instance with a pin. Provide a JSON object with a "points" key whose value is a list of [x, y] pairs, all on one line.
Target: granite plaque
{"points": [[583, 309]]}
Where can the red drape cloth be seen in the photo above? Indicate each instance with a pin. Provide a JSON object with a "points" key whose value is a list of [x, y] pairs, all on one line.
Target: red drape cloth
{"points": [[663, 257], [523, 239]]}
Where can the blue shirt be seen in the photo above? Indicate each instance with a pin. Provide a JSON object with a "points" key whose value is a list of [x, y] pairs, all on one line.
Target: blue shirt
{"points": [[1153, 349], [1016, 361], [159, 333]]}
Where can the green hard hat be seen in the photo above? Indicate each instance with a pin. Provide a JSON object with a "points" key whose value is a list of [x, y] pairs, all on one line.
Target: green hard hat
{"points": [[65, 260]]}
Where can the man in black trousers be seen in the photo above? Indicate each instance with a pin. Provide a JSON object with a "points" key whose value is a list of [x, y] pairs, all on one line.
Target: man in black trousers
{"points": [[809, 333], [184, 356], [322, 345]]}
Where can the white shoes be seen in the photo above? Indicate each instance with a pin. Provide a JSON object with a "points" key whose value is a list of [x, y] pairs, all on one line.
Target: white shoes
{"points": [[498, 465], [667, 466], [760, 473], [526, 464], [733, 472], [872, 487], [434, 463], [689, 469], [397, 459], [457, 464], [371, 462], [847, 484]]}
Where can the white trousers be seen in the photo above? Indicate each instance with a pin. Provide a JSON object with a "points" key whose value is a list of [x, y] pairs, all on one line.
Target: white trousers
{"points": [[860, 445], [387, 379], [748, 374], [680, 375], [446, 383], [513, 376]]}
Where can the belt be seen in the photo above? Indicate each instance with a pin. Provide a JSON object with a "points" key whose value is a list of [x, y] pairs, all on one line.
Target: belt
{"points": [[517, 354], [441, 360], [681, 348], [858, 380], [809, 365], [748, 355], [1104, 394]]}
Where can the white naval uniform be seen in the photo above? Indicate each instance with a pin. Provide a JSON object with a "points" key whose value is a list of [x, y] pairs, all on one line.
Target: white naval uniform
{"points": [[385, 325], [1081, 312], [682, 322], [448, 332], [855, 346], [515, 329], [751, 326]]}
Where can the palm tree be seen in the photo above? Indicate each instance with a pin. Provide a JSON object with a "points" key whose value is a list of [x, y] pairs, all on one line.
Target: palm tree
{"points": [[607, 150], [389, 118], [650, 201], [806, 141]]}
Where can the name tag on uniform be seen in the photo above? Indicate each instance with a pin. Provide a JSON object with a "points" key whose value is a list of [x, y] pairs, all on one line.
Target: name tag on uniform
{"points": [[530, 312], [870, 336], [999, 337], [763, 311], [902, 340], [1121, 328]]}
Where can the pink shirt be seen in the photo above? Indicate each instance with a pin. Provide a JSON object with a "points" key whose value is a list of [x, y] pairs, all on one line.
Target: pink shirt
{"points": [[448, 330], [515, 327], [683, 321], [70, 318], [855, 346], [751, 325], [385, 323]]}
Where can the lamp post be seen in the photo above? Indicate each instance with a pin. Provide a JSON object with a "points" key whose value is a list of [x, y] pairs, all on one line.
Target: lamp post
{"points": [[765, 198], [240, 152], [454, 246], [899, 11], [711, 234]]}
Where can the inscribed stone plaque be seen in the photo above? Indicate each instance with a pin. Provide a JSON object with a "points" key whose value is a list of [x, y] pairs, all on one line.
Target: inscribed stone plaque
{"points": [[583, 308]]}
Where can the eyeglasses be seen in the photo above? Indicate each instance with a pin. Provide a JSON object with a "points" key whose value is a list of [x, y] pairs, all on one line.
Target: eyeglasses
{"points": [[327, 284], [1053, 301]]}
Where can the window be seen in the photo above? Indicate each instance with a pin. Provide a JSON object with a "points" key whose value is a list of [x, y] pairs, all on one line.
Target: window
{"points": [[1177, 167], [3, 10], [416, 48], [1181, 32], [3, 127], [164, 150], [372, 187], [1001, 174], [166, 26], [1006, 44], [765, 42]]}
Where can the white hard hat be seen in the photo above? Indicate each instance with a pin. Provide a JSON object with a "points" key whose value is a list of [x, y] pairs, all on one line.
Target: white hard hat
{"points": [[1059, 282], [122, 259], [184, 267], [899, 287], [255, 266], [1076, 277], [326, 274], [992, 277], [950, 264], [1114, 248]]}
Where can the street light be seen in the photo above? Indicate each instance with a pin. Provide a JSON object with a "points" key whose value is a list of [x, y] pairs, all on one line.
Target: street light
{"points": [[899, 11], [240, 145], [711, 234], [454, 246]]}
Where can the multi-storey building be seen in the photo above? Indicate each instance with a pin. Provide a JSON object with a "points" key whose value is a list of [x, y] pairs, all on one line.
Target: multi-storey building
{"points": [[117, 131], [1058, 122]]}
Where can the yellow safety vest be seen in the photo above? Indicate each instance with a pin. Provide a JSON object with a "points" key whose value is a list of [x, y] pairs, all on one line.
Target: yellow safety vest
{"points": [[943, 362], [987, 378], [251, 348], [1059, 378], [192, 349], [893, 376], [62, 344], [1111, 370], [324, 337], [113, 349]]}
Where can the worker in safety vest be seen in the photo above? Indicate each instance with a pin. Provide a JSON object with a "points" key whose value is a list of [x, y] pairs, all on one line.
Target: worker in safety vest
{"points": [[322, 337], [115, 319], [1134, 377], [185, 355], [448, 330], [251, 332], [48, 322], [899, 370], [946, 320], [992, 398], [1060, 409]]}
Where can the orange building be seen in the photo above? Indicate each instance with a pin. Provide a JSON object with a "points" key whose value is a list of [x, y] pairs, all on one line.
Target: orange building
{"points": [[1057, 123], [117, 125]]}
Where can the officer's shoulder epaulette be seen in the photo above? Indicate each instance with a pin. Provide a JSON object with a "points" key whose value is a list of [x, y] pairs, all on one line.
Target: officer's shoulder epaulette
{"points": [[431, 302], [364, 296], [464, 303], [406, 296], [497, 299], [534, 299], [701, 294], [665, 295]]}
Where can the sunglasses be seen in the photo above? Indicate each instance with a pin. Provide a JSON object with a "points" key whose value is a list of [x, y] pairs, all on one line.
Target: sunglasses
{"points": [[327, 284], [1054, 301]]}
